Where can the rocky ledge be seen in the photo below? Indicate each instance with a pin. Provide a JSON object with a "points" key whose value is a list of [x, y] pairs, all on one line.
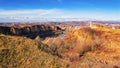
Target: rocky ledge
{"points": [[31, 31]]}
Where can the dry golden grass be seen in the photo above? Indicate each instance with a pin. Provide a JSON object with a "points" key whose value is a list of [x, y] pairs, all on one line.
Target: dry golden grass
{"points": [[83, 48], [90, 47], [21, 52]]}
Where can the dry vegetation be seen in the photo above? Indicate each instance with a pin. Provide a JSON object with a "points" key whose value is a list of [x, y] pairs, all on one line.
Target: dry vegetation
{"points": [[89, 47], [82, 48], [21, 52]]}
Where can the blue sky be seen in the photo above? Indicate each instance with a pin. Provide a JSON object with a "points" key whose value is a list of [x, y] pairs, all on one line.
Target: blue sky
{"points": [[34, 10]]}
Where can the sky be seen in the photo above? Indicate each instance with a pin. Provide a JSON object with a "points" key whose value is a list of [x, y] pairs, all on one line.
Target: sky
{"points": [[40, 10]]}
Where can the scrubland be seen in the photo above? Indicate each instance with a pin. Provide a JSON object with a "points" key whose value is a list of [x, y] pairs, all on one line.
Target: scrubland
{"points": [[21, 52], [83, 48], [89, 47]]}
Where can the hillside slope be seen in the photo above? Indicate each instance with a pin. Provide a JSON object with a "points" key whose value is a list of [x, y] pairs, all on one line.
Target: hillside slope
{"points": [[89, 47], [82, 48], [21, 52]]}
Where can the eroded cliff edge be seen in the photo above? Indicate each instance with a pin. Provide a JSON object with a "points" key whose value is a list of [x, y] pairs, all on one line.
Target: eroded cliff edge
{"points": [[32, 31]]}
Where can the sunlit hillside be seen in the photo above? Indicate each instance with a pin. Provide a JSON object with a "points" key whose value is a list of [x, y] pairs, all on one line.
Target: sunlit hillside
{"points": [[21, 52], [89, 47], [86, 47]]}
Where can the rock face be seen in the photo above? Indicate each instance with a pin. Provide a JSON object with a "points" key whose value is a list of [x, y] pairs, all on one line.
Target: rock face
{"points": [[31, 31]]}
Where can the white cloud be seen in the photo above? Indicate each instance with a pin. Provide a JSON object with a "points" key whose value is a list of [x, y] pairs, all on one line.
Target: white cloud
{"points": [[34, 14], [27, 12], [52, 14]]}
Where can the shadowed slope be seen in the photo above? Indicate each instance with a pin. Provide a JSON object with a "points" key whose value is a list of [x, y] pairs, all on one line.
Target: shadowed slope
{"points": [[31, 31]]}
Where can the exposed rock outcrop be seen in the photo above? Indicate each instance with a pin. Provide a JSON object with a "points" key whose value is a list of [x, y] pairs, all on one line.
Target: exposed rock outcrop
{"points": [[31, 31]]}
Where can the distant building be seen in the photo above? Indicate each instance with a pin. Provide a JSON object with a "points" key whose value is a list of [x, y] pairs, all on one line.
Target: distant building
{"points": [[90, 24], [113, 27]]}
